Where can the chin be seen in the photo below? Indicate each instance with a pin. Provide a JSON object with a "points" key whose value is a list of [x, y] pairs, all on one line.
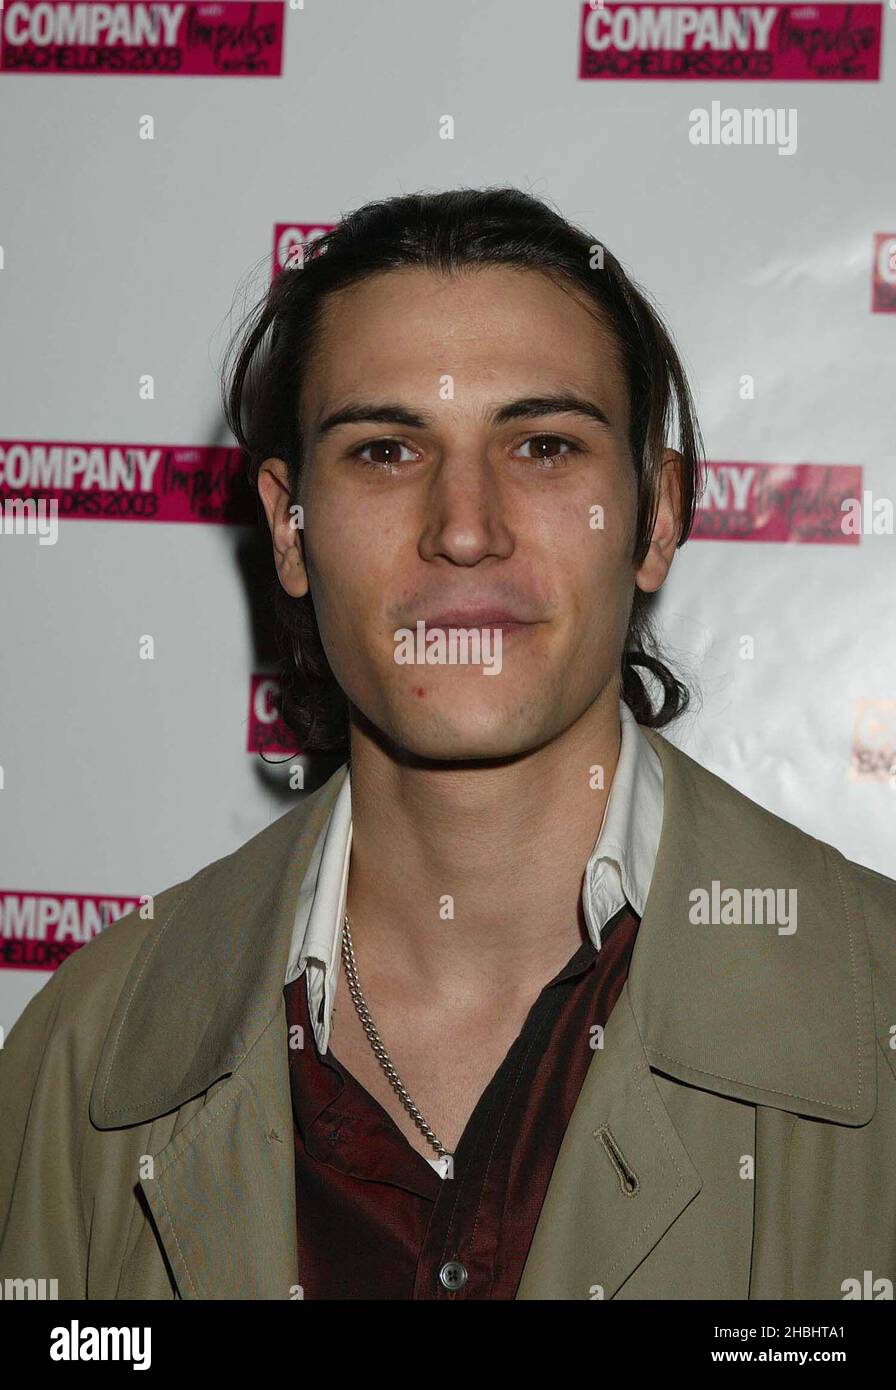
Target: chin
{"points": [[459, 734], [464, 748]]}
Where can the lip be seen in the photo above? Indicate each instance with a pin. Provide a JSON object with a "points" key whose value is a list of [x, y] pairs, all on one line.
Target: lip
{"points": [[477, 617]]}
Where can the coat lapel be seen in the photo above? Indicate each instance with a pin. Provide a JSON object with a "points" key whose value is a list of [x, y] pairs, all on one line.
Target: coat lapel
{"points": [[223, 1190], [202, 1018], [621, 1178], [780, 1019]]}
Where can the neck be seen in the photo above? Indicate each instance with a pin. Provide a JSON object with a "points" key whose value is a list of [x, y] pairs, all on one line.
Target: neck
{"points": [[505, 847]]}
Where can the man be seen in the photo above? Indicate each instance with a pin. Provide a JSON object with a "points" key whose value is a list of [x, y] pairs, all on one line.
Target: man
{"points": [[522, 1002]]}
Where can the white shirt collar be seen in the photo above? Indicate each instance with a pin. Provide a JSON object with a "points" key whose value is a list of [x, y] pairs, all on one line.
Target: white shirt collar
{"points": [[619, 870]]}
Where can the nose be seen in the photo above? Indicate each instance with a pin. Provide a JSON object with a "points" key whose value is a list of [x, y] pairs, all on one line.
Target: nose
{"points": [[465, 506]]}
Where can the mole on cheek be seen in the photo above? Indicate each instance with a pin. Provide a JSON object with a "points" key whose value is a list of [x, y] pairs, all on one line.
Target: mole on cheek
{"points": [[419, 692]]}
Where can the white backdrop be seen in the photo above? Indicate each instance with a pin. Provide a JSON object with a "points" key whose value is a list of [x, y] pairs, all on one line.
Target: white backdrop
{"points": [[121, 259]]}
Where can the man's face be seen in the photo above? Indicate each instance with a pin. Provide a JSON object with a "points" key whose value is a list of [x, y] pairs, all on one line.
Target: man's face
{"points": [[464, 514]]}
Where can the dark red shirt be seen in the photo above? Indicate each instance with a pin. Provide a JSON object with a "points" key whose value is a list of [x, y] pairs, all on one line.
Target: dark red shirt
{"points": [[375, 1221]]}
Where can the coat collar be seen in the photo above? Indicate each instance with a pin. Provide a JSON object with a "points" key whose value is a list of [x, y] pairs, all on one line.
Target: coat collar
{"points": [[785, 1021], [208, 979], [779, 1020]]}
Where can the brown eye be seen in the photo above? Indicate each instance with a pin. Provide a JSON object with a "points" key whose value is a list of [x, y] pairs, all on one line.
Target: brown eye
{"points": [[387, 453], [548, 446]]}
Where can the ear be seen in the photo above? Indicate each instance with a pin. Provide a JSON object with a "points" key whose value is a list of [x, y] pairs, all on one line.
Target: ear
{"points": [[286, 522], [667, 527]]}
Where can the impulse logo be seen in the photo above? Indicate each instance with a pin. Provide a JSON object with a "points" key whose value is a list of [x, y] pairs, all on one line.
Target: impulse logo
{"points": [[792, 42], [39, 930], [129, 482], [776, 502], [137, 38]]}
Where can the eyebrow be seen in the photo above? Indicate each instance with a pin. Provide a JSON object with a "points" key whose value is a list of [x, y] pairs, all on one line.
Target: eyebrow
{"points": [[526, 408]]}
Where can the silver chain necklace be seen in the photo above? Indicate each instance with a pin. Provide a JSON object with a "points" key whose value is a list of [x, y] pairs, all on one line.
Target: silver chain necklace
{"points": [[376, 1042]]}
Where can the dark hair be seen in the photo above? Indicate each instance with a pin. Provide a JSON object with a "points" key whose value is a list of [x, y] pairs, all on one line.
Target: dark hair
{"points": [[447, 232]]}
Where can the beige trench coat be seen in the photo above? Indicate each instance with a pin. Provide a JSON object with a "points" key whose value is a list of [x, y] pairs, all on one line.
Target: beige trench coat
{"points": [[747, 1080]]}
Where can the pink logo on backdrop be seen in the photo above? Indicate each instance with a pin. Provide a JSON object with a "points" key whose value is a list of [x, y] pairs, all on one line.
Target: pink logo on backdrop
{"points": [[291, 243], [776, 502], [130, 482], [39, 930], [883, 274], [268, 731], [793, 43], [145, 38], [874, 741]]}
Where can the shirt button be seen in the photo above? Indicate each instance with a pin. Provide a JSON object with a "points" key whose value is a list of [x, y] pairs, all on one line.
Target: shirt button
{"points": [[453, 1275]]}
